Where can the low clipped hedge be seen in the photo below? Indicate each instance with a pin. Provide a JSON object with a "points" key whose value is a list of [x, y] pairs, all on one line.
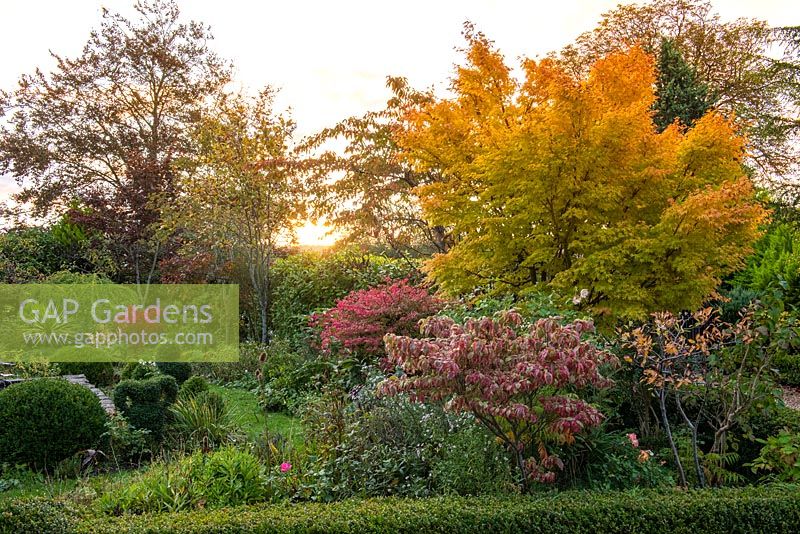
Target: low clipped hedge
{"points": [[764, 509], [35, 516]]}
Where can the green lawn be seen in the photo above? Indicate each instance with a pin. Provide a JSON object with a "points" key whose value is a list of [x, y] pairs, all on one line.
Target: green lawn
{"points": [[244, 406]]}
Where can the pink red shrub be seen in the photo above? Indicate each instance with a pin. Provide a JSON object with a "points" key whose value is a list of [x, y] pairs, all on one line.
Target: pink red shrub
{"points": [[520, 385], [357, 324]]}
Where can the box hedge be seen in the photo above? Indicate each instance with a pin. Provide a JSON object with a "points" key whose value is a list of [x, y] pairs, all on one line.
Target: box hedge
{"points": [[765, 509], [35, 516]]}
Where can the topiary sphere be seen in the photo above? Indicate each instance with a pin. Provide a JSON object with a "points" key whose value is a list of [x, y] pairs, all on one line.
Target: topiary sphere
{"points": [[46, 420]]}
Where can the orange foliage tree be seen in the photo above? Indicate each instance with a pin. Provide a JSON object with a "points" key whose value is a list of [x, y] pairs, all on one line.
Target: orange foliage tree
{"points": [[549, 180]]}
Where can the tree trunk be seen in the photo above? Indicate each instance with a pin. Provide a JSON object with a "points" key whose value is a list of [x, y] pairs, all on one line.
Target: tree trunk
{"points": [[264, 311], [642, 405], [520, 461], [662, 402], [701, 478]]}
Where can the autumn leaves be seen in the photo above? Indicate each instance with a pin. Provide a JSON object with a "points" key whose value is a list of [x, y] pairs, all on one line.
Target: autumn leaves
{"points": [[567, 182]]}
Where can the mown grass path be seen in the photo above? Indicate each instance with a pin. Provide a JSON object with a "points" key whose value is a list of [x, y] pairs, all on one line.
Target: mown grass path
{"points": [[245, 409]]}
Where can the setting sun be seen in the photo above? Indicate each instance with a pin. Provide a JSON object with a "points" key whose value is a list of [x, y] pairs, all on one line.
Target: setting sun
{"points": [[316, 235]]}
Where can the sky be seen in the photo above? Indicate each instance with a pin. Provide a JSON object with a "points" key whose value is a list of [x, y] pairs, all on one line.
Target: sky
{"points": [[330, 59]]}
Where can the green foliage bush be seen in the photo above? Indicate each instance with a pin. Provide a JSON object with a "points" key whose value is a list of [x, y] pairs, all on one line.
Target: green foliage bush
{"points": [[194, 385], [98, 373], [30, 255], [287, 376], [737, 297], [608, 460], [532, 305], [124, 444], [775, 265], [138, 371], [769, 422], [69, 277], [308, 282], [780, 457], [759, 425], [243, 370], [470, 462], [145, 403], [227, 477], [723, 511], [34, 369], [34, 516], [388, 447], [180, 371], [788, 366], [46, 420]]}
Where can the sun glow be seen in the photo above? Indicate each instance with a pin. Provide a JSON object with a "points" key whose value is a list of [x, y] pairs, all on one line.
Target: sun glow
{"points": [[316, 235]]}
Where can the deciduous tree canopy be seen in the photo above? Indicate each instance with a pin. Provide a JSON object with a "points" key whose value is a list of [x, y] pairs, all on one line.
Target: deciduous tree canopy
{"points": [[244, 196], [126, 103], [749, 68], [367, 189], [569, 183]]}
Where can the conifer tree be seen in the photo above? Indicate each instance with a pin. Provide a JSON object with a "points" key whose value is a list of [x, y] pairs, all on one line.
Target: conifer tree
{"points": [[679, 94]]}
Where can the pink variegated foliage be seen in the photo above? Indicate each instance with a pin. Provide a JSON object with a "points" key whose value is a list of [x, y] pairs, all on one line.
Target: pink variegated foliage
{"points": [[520, 382], [359, 321]]}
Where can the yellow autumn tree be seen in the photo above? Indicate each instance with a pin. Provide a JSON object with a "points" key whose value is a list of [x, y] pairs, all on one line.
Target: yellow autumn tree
{"points": [[243, 195], [567, 183]]}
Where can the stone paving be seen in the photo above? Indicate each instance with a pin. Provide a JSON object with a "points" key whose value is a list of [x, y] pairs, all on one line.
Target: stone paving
{"points": [[105, 402]]}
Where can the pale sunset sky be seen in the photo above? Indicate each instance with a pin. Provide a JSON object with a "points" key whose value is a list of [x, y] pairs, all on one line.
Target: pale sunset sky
{"points": [[330, 58]]}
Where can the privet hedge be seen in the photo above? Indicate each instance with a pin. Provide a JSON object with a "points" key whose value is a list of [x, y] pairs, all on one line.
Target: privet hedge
{"points": [[767, 509]]}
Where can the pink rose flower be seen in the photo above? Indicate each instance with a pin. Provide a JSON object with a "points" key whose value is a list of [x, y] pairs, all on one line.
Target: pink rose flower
{"points": [[634, 440], [285, 466]]}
